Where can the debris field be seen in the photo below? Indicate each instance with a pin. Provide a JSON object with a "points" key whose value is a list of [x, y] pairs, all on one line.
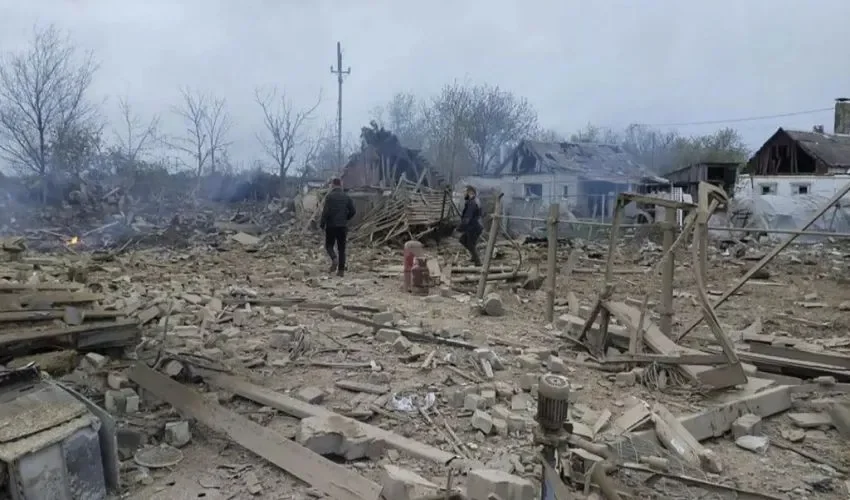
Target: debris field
{"points": [[236, 367]]}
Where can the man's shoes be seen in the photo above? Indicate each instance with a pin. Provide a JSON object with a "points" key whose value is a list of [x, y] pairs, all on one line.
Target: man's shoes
{"points": [[334, 265], [340, 273]]}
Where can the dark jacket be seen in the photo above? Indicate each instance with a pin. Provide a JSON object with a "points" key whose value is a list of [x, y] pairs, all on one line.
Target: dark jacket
{"points": [[338, 209], [470, 219]]}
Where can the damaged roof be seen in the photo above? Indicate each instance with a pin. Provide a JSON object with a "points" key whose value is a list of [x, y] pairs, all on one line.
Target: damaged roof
{"points": [[589, 161], [833, 150]]}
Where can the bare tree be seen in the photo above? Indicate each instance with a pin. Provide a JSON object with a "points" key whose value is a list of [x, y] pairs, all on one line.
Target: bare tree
{"points": [[284, 128], [496, 118], [445, 119], [42, 95], [134, 137], [405, 117], [194, 110], [218, 124]]}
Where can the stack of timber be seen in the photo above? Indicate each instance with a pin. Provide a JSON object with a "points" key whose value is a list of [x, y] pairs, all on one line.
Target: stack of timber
{"points": [[41, 309], [408, 212]]}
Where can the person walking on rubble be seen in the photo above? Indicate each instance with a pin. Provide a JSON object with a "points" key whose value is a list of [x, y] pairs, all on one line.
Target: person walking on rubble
{"points": [[338, 210], [470, 224]]}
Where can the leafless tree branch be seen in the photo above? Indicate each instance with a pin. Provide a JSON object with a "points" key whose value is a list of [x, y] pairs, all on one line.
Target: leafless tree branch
{"points": [[135, 137], [283, 132], [42, 94]]}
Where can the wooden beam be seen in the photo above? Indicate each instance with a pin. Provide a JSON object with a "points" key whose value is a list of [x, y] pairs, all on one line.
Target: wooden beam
{"points": [[331, 479], [300, 409]]}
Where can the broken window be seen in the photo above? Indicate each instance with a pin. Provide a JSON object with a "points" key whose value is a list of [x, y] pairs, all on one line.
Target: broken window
{"points": [[802, 188], [534, 190], [767, 188]]}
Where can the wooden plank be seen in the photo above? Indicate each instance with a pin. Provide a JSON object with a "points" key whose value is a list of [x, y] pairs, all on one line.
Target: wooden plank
{"points": [[50, 314], [334, 480], [58, 298], [661, 344], [781, 351], [300, 409], [29, 335], [40, 287], [675, 359], [794, 367]]}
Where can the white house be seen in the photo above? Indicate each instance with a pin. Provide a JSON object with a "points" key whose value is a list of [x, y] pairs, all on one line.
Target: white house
{"points": [[583, 178]]}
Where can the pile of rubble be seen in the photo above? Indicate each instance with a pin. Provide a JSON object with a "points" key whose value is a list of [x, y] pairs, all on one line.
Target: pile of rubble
{"points": [[360, 391]]}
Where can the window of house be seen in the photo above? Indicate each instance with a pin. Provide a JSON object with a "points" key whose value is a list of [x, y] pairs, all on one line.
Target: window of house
{"points": [[802, 188], [533, 190], [767, 188], [566, 192]]}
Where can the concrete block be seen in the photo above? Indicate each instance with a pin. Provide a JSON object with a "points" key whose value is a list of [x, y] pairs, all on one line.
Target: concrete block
{"points": [[529, 362], [756, 444], [488, 354], [114, 402], [625, 379], [810, 420], [178, 434], [117, 381], [557, 365], [402, 484], [481, 483], [746, 425], [482, 421], [500, 426], [336, 435], [489, 397], [310, 394], [521, 402], [473, 402], [93, 362], [387, 335], [401, 345], [383, 318], [527, 381]]}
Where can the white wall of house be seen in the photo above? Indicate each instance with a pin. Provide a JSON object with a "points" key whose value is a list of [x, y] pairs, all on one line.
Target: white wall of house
{"points": [[551, 188], [790, 185]]}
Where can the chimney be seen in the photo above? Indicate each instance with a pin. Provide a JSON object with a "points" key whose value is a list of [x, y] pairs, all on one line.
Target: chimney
{"points": [[842, 116]]}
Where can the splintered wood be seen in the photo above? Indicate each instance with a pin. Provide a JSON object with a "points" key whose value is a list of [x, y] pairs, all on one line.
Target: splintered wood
{"points": [[29, 312], [409, 212], [641, 330]]}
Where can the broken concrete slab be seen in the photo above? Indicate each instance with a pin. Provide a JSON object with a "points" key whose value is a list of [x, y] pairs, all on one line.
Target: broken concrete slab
{"points": [[746, 425], [336, 435], [481, 483], [810, 420], [402, 484]]}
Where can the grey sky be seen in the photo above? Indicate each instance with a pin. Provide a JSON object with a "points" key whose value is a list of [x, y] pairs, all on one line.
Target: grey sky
{"points": [[610, 62]]}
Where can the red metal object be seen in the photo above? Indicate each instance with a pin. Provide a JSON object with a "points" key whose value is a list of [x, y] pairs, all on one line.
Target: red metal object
{"points": [[412, 249], [421, 278]]}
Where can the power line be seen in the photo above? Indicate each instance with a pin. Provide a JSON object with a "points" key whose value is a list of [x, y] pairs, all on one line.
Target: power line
{"points": [[738, 120]]}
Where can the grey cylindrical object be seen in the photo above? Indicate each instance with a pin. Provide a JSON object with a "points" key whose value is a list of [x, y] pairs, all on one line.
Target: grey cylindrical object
{"points": [[553, 400]]}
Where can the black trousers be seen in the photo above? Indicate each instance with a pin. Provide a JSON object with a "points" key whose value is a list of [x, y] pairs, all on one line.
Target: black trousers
{"points": [[336, 237], [469, 240]]}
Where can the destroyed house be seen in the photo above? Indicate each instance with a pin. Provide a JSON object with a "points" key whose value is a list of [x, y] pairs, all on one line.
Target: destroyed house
{"points": [[385, 164], [794, 162], [584, 177]]}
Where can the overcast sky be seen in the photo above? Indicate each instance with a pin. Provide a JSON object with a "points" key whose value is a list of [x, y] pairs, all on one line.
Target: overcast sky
{"points": [[610, 62]]}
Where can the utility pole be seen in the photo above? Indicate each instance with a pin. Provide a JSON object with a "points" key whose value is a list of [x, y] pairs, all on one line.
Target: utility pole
{"points": [[340, 73]]}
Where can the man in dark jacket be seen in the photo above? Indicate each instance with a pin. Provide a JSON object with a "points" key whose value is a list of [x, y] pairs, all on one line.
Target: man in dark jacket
{"points": [[338, 210], [470, 224]]}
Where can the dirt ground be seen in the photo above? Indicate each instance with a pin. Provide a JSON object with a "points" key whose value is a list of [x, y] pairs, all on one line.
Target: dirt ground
{"points": [[213, 468]]}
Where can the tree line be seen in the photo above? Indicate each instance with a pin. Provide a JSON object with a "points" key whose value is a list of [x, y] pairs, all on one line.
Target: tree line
{"points": [[51, 125], [465, 128]]}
